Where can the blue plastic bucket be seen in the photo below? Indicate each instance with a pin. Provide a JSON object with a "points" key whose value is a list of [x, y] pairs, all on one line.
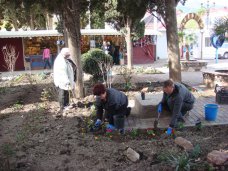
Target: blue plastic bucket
{"points": [[211, 111]]}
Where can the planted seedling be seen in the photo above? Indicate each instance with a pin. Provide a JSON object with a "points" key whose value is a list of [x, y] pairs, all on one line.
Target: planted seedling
{"points": [[180, 125], [199, 125], [134, 132], [150, 132], [18, 105], [8, 152]]}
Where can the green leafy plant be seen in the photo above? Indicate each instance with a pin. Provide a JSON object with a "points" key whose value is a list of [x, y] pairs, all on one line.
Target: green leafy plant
{"points": [[184, 161], [20, 136], [195, 153], [8, 26], [31, 79], [96, 63], [180, 162], [93, 111], [199, 126], [18, 105], [19, 78], [180, 125], [2, 90], [134, 132], [150, 132], [45, 95], [8, 152], [126, 73]]}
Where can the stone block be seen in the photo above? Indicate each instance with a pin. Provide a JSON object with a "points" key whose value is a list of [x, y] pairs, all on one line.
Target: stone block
{"points": [[148, 108], [193, 65]]}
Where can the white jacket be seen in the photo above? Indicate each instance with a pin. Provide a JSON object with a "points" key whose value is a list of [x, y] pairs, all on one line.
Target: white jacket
{"points": [[63, 73]]}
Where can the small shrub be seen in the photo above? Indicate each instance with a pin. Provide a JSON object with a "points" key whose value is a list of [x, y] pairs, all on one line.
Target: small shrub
{"points": [[127, 76], [91, 61]]}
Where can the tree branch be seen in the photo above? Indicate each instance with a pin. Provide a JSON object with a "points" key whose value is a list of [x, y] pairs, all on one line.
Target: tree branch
{"points": [[159, 19]]}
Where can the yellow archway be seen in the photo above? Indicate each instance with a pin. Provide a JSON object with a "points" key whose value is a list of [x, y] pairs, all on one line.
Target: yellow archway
{"points": [[197, 18], [191, 16]]}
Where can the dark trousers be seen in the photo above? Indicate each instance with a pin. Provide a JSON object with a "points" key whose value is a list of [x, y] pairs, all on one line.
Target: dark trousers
{"points": [[47, 62], [184, 109], [63, 98], [109, 114], [178, 116]]}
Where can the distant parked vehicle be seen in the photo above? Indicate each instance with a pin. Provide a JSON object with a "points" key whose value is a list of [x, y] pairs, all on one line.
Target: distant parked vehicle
{"points": [[223, 51]]}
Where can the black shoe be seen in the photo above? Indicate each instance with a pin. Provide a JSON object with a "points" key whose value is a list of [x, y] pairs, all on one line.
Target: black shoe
{"points": [[128, 111]]}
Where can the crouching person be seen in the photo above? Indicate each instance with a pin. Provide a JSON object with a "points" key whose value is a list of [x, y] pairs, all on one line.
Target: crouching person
{"points": [[113, 102], [177, 99]]}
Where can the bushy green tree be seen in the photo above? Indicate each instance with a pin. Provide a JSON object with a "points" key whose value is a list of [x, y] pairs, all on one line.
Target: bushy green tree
{"points": [[24, 14], [221, 25], [125, 15]]}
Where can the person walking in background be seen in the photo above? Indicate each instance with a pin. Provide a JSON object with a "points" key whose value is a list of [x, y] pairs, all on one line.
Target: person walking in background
{"points": [[121, 56], [46, 57], [64, 71]]}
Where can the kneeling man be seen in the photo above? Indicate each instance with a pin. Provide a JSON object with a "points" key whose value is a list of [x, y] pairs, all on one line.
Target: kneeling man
{"points": [[177, 99]]}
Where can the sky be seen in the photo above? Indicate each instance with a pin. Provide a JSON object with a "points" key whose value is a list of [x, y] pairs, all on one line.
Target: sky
{"points": [[194, 5]]}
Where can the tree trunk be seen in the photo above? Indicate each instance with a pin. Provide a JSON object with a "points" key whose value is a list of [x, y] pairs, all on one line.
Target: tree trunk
{"points": [[129, 43], [72, 24], [49, 21], [172, 41], [65, 34], [15, 25], [32, 27]]}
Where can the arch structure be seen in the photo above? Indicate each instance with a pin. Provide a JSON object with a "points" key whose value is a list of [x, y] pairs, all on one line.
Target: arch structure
{"points": [[192, 16]]}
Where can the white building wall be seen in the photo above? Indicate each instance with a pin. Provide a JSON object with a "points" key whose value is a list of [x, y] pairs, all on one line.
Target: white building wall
{"points": [[161, 47]]}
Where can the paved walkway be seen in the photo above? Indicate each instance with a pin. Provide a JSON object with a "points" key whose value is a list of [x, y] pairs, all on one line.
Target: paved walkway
{"points": [[190, 120]]}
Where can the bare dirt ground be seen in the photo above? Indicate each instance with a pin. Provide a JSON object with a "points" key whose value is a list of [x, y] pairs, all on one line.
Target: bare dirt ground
{"points": [[32, 138]]}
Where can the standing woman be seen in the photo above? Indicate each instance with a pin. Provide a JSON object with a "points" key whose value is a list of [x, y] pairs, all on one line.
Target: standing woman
{"points": [[64, 77]]}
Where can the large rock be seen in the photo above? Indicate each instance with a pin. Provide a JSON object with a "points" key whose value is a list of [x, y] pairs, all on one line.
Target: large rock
{"points": [[187, 145], [132, 155], [218, 157]]}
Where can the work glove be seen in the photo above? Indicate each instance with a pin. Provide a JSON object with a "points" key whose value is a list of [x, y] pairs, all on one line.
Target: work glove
{"points": [[169, 131], [97, 123], [110, 127], [159, 108]]}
